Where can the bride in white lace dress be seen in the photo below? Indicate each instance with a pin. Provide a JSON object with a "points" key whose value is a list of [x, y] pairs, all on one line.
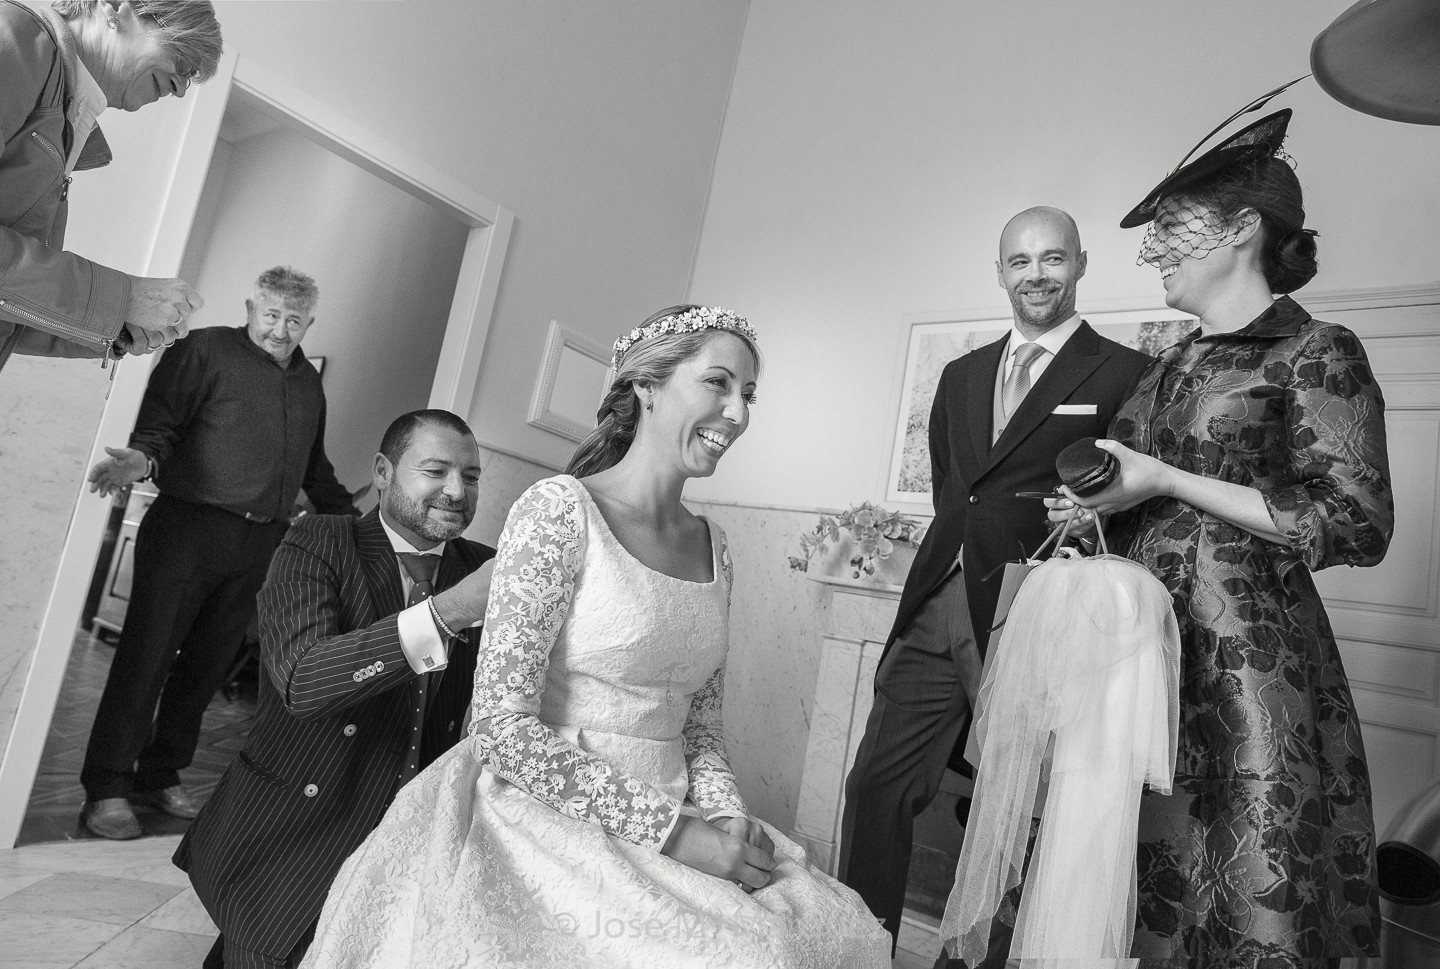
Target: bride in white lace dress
{"points": [[591, 819]]}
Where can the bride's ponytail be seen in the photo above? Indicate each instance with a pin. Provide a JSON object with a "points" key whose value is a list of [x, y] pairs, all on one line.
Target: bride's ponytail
{"points": [[604, 447]]}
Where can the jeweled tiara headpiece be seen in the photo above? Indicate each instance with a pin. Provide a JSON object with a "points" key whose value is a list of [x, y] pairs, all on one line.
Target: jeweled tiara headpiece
{"points": [[691, 321]]}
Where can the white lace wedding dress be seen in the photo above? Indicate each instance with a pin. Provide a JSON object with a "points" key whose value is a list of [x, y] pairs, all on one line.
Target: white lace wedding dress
{"points": [[536, 842]]}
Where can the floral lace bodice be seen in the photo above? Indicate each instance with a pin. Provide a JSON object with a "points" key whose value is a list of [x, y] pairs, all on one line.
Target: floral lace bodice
{"points": [[599, 683]]}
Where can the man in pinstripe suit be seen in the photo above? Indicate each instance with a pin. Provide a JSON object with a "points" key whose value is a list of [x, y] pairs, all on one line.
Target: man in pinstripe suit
{"points": [[360, 691]]}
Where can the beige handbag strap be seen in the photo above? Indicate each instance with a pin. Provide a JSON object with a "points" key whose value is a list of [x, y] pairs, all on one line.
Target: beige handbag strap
{"points": [[1059, 532]]}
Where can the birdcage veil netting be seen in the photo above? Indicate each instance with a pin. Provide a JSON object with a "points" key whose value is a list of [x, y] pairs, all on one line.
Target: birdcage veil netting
{"points": [[1183, 229], [1088, 658]]}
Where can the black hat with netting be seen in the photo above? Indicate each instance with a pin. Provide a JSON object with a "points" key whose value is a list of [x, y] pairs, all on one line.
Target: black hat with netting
{"points": [[1260, 139]]}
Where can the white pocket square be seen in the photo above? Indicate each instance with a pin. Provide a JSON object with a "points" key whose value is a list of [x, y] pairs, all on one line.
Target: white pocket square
{"points": [[1075, 409]]}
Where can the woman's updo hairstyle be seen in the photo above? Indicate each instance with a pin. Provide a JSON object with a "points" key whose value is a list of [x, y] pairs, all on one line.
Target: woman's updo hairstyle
{"points": [[647, 362], [1268, 186]]}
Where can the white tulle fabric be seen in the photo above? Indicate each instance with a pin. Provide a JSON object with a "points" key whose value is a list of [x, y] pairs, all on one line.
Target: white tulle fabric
{"points": [[596, 718], [1087, 669]]}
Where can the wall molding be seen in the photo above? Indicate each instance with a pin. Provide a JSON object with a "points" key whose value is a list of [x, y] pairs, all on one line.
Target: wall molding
{"points": [[757, 506], [558, 340], [1378, 297], [519, 455]]}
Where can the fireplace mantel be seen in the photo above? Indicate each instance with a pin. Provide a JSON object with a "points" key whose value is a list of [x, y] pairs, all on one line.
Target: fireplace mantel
{"points": [[855, 621]]}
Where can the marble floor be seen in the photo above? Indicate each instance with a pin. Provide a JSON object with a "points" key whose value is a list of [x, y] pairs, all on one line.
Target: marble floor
{"points": [[99, 905], [121, 905], [54, 807], [919, 942]]}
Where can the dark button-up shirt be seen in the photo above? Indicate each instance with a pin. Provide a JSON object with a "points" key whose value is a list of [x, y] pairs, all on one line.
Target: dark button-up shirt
{"points": [[227, 426]]}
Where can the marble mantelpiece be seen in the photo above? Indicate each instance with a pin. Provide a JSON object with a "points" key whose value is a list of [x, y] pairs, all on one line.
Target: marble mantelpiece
{"points": [[856, 621]]}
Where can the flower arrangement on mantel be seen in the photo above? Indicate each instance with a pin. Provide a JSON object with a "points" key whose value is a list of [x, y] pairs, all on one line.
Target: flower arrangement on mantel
{"points": [[873, 531]]}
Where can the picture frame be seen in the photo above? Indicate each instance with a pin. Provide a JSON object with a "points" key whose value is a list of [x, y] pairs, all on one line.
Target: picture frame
{"points": [[930, 342], [573, 379]]}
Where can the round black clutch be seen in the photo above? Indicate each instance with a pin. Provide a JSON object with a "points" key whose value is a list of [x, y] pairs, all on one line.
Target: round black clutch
{"points": [[1086, 469]]}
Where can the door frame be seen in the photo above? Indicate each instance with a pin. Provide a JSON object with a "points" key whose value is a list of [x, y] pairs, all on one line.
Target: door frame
{"points": [[453, 387]]}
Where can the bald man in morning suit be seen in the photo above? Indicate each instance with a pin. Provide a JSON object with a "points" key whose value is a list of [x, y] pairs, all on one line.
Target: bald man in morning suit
{"points": [[366, 683], [1001, 415]]}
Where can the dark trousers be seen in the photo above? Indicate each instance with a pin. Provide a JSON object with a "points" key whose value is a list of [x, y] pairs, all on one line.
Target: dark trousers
{"points": [[924, 691], [197, 571]]}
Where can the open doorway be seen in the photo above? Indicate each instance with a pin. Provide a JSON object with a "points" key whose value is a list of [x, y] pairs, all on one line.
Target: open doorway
{"points": [[408, 264]]}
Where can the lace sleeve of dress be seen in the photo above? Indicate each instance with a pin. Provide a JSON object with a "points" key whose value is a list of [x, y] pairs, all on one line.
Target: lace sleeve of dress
{"points": [[1340, 509], [539, 557], [712, 783]]}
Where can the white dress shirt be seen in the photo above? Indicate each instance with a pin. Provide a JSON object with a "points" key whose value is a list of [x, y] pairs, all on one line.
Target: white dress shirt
{"points": [[420, 639], [1050, 341]]}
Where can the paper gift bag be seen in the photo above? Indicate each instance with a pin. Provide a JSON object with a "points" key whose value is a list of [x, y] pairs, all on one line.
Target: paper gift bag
{"points": [[1015, 573]]}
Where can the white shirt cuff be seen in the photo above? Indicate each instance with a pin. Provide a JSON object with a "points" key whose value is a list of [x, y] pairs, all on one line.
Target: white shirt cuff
{"points": [[420, 641]]}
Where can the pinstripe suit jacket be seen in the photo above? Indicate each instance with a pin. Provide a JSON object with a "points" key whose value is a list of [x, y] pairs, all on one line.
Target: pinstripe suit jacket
{"points": [[321, 762]]}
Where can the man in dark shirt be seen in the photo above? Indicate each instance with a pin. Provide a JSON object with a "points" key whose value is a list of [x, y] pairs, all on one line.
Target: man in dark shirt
{"points": [[232, 426]]}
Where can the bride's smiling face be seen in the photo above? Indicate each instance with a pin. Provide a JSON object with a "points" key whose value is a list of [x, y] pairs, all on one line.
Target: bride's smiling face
{"points": [[705, 405]]}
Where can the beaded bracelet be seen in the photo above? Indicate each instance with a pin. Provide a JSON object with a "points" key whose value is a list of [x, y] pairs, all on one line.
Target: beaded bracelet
{"points": [[440, 623]]}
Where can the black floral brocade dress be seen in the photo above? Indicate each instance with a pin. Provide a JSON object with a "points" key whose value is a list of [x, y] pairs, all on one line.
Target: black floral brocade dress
{"points": [[1264, 855]]}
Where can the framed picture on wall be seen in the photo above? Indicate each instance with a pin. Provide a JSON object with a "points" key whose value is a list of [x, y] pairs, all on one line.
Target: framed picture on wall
{"points": [[931, 344], [574, 374]]}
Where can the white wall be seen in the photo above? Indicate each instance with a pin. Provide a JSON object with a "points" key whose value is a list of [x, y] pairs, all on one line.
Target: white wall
{"points": [[873, 152], [871, 155], [385, 262], [596, 124], [44, 442]]}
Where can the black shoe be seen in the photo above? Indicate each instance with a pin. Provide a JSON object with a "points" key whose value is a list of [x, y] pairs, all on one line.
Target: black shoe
{"points": [[111, 817], [962, 810], [174, 801]]}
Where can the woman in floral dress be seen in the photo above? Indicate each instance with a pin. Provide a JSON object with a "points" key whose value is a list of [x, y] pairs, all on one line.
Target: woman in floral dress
{"points": [[1252, 453], [592, 818]]}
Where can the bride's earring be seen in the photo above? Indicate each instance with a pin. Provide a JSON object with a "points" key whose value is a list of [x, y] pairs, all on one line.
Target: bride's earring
{"points": [[112, 23]]}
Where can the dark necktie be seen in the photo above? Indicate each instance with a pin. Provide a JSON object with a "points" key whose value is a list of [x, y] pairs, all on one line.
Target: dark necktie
{"points": [[1017, 385], [422, 571]]}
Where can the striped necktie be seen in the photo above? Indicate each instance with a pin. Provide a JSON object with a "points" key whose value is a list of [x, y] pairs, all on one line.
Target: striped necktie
{"points": [[1017, 385]]}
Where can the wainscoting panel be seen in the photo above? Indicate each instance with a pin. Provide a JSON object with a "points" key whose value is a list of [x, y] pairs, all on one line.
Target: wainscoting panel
{"points": [[1402, 743], [1387, 618], [1398, 601]]}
